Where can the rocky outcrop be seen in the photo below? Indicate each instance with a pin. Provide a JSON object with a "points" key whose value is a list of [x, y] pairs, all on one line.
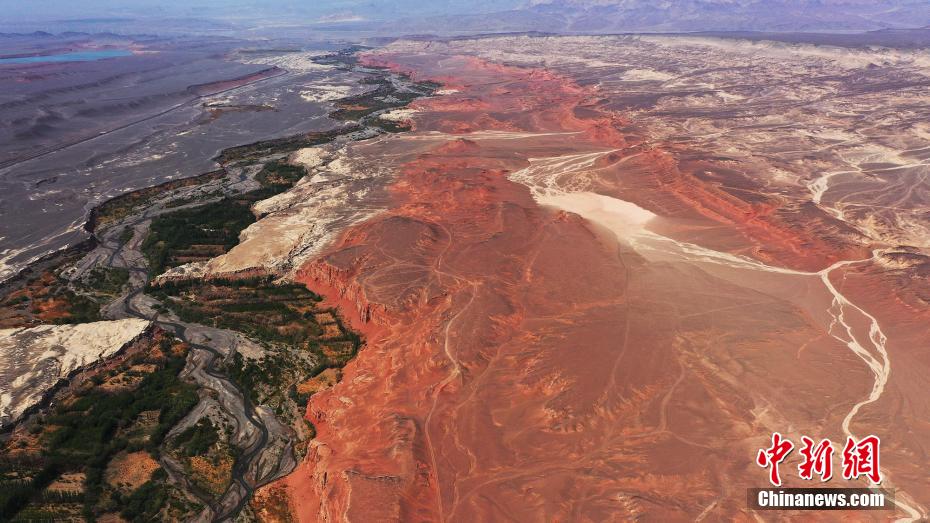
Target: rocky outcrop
{"points": [[33, 360], [294, 226], [575, 318], [341, 285]]}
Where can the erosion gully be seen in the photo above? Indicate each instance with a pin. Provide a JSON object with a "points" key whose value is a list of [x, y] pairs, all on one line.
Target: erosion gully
{"points": [[257, 429]]}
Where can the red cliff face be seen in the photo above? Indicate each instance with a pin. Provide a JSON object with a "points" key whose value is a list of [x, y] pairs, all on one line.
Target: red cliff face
{"points": [[520, 364]]}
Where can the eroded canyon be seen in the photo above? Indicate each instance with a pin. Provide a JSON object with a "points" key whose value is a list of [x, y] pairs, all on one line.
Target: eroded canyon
{"points": [[132, 390], [525, 278], [611, 267]]}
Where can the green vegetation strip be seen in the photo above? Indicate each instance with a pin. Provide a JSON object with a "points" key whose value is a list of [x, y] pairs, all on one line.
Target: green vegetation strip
{"points": [[83, 435], [122, 206], [209, 230], [303, 338]]}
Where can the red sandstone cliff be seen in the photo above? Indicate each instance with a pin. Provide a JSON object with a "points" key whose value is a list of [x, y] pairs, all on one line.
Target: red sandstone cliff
{"points": [[519, 364]]}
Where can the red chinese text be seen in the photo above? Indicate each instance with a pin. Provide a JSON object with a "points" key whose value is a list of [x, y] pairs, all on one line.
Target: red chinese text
{"points": [[861, 459], [773, 456], [817, 459]]}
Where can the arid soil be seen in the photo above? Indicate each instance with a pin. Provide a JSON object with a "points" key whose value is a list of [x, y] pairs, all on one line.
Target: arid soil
{"points": [[220, 414], [585, 303]]}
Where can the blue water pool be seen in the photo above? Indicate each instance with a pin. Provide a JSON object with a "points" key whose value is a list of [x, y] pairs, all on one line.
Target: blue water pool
{"points": [[79, 56]]}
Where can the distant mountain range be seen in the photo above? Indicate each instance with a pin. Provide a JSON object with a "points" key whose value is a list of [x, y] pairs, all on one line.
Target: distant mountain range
{"points": [[612, 16], [275, 18]]}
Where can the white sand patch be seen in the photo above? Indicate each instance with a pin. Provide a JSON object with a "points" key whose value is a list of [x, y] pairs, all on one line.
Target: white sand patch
{"points": [[272, 241], [182, 272], [7, 270], [295, 62], [399, 115], [296, 224], [623, 218], [729, 97], [309, 157], [32, 360], [443, 92], [278, 202], [325, 92], [646, 75], [340, 166]]}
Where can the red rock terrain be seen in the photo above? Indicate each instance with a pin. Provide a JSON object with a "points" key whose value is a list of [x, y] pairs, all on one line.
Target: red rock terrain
{"points": [[522, 364]]}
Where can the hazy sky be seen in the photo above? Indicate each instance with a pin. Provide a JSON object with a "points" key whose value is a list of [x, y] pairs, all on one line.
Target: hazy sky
{"points": [[258, 17], [237, 9]]}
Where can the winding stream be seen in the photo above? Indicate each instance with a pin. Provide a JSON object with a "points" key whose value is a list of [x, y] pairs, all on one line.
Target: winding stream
{"points": [[546, 179], [263, 458]]}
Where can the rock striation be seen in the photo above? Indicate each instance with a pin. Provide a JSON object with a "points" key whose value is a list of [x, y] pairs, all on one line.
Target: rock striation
{"points": [[589, 291]]}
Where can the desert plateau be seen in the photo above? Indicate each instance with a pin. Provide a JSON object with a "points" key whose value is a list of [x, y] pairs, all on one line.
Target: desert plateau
{"points": [[561, 273]]}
